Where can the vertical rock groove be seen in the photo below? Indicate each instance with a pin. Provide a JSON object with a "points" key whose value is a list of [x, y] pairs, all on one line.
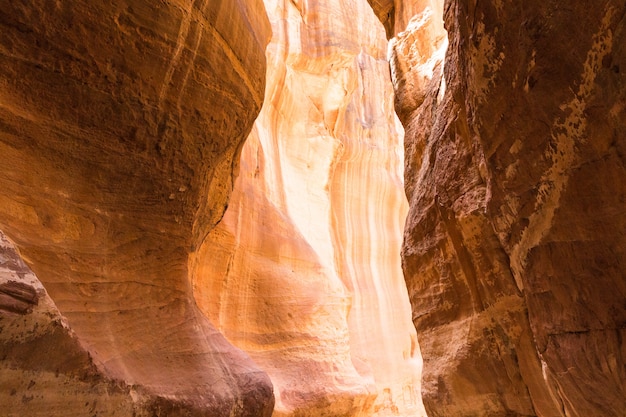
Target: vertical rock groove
{"points": [[303, 272]]}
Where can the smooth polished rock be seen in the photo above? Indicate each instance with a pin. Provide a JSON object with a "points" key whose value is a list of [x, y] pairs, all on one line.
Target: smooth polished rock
{"points": [[120, 129], [303, 272]]}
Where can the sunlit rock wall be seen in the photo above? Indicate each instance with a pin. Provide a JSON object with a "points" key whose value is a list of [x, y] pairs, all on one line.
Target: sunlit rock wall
{"points": [[303, 272], [514, 245], [120, 126]]}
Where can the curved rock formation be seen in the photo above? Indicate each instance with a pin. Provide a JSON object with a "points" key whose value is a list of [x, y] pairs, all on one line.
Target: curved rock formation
{"points": [[120, 125], [514, 245], [303, 272], [120, 129]]}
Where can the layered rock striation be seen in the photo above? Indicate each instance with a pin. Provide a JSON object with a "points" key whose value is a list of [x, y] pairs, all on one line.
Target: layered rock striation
{"points": [[44, 370], [514, 246], [303, 272], [120, 128]]}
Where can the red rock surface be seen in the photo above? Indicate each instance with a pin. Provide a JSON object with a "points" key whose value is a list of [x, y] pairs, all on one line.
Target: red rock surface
{"points": [[514, 245], [120, 125], [44, 370]]}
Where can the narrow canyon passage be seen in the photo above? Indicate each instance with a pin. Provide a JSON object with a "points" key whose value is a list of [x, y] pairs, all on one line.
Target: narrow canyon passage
{"points": [[164, 254], [303, 272]]}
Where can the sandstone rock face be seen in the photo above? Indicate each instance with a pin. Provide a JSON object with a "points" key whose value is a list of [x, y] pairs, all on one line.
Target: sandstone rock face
{"points": [[120, 125], [395, 15], [303, 272], [514, 245], [44, 369]]}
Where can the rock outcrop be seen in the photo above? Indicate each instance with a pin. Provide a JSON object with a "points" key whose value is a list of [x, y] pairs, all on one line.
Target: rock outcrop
{"points": [[120, 127], [514, 244], [303, 272]]}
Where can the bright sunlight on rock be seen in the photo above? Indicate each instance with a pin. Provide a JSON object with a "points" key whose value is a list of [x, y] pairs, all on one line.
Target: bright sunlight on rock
{"points": [[307, 208], [303, 272]]}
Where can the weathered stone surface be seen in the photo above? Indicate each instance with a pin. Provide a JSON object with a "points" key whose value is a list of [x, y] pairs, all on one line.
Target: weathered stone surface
{"points": [[303, 272], [514, 244], [395, 15], [555, 165], [44, 370], [120, 125]]}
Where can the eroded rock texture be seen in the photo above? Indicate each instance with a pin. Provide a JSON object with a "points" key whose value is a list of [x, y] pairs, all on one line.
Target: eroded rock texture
{"points": [[120, 124], [304, 272], [514, 245], [44, 369]]}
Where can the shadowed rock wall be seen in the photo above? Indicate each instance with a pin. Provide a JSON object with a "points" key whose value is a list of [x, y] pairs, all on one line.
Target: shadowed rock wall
{"points": [[514, 245]]}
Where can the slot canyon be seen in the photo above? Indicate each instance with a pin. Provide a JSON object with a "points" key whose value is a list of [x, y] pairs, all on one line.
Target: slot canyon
{"points": [[298, 208]]}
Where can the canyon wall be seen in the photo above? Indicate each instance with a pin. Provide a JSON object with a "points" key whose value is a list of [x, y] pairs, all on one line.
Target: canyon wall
{"points": [[303, 272], [120, 129], [44, 370], [514, 245], [121, 126]]}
